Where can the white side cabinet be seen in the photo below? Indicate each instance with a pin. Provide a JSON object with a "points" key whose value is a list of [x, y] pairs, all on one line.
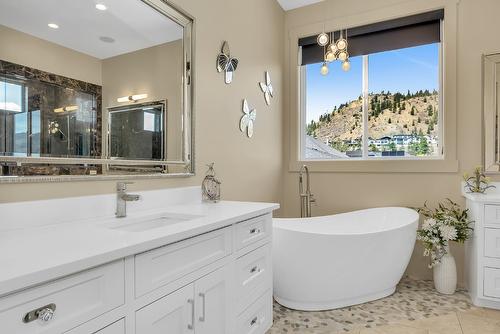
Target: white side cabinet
{"points": [[218, 282], [483, 251]]}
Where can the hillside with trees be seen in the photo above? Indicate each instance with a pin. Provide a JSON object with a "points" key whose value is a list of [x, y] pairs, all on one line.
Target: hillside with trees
{"points": [[389, 115]]}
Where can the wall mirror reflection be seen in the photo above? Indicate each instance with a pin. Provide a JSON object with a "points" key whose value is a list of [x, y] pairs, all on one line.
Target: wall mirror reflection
{"points": [[95, 88], [137, 131]]}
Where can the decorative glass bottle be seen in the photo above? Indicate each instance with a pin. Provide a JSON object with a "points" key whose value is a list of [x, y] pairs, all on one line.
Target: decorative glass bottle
{"points": [[210, 186]]}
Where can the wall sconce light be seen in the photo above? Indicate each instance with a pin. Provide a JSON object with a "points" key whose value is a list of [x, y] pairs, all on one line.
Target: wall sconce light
{"points": [[65, 109], [132, 98]]}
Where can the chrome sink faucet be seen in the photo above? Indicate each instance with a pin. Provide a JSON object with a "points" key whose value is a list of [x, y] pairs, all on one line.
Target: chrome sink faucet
{"points": [[122, 198], [306, 198]]}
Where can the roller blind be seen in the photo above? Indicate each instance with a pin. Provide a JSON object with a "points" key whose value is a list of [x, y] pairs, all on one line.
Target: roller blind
{"points": [[394, 34]]}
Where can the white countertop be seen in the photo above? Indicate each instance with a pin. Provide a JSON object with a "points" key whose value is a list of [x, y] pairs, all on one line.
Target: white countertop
{"points": [[33, 255], [491, 195]]}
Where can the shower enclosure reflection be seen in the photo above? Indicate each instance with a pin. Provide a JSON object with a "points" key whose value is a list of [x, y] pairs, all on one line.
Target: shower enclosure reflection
{"points": [[137, 131], [40, 119]]}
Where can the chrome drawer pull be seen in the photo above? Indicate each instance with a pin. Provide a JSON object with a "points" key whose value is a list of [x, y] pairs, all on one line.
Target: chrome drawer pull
{"points": [[202, 295], [254, 231], [44, 314], [191, 325], [254, 321]]}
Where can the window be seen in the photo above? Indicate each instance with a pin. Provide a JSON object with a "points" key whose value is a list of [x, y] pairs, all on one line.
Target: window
{"points": [[387, 106], [13, 119]]}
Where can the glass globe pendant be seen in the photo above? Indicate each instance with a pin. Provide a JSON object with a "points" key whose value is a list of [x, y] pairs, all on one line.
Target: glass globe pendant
{"points": [[324, 69], [332, 47], [343, 55], [346, 66], [323, 39], [330, 56], [341, 42]]}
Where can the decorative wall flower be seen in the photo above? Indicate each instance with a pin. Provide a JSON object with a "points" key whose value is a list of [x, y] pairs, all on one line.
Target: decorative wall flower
{"points": [[247, 119], [226, 63], [267, 88]]}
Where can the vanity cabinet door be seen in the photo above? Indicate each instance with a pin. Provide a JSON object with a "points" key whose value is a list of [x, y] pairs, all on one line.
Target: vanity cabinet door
{"points": [[172, 314], [212, 293]]}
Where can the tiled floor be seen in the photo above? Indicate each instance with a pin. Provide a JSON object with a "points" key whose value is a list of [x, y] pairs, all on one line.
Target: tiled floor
{"points": [[415, 308]]}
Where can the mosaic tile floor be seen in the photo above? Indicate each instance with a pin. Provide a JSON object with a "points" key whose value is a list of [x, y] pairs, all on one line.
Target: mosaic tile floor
{"points": [[413, 301]]}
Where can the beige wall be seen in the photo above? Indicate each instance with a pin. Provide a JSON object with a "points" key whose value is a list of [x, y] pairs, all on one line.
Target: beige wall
{"points": [[47, 56], [341, 192], [250, 169], [253, 169], [156, 71]]}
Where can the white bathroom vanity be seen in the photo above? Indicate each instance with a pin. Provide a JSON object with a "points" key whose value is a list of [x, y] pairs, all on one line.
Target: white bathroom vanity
{"points": [[173, 265]]}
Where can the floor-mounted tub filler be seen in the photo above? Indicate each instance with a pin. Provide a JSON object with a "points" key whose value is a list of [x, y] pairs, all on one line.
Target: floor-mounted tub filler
{"points": [[329, 262]]}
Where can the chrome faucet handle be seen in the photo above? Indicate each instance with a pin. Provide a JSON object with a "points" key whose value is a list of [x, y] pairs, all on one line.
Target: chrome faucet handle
{"points": [[312, 199], [122, 186]]}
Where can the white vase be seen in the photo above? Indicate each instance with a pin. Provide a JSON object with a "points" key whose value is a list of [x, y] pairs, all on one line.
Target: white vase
{"points": [[445, 274]]}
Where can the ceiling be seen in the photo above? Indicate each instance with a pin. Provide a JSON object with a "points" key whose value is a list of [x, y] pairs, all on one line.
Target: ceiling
{"points": [[130, 24], [292, 4]]}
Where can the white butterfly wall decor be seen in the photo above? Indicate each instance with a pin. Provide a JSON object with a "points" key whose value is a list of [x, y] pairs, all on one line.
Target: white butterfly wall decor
{"points": [[267, 89], [226, 63], [247, 119]]}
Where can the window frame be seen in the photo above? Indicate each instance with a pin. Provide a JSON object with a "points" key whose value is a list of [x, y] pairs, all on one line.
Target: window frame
{"points": [[292, 122], [365, 93]]}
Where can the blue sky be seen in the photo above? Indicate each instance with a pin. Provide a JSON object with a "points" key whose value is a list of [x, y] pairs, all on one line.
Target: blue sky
{"points": [[400, 70]]}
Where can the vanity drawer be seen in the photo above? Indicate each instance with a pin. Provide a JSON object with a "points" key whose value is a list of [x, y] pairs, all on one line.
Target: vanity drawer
{"points": [[492, 282], [77, 298], [253, 276], [258, 317], [164, 265], [252, 230], [115, 328], [492, 242], [492, 215]]}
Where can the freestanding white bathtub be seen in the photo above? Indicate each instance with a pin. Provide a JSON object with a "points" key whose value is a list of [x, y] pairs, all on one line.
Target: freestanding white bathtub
{"points": [[328, 262]]}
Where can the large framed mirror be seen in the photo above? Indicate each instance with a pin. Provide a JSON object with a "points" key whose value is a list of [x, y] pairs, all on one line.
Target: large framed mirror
{"points": [[95, 89], [491, 93]]}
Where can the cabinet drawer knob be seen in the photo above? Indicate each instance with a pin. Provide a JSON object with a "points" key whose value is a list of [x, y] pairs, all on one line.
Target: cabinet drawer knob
{"points": [[44, 314], [254, 231], [254, 269], [254, 321]]}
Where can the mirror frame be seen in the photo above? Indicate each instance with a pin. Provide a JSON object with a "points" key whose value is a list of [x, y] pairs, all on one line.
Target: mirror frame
{"points": [[490, 114], [185, 20]]}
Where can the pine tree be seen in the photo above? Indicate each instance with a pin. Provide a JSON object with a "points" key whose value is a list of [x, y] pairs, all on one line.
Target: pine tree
{"points": [[430, 110]]}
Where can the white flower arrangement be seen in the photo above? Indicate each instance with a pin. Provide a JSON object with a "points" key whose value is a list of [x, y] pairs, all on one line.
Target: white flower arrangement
{"points": [[448, 222]]}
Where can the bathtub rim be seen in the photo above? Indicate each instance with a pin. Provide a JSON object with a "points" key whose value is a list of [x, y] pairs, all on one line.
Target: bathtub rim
{"points": [[278, 222]]}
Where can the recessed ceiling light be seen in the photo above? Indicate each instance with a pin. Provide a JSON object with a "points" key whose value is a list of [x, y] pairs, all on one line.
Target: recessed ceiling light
{"points": [[53, 26], [101, 6], [107, 39]]}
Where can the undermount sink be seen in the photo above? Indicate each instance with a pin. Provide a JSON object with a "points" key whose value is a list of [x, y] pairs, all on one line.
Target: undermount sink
{"points": [[145, 223]]}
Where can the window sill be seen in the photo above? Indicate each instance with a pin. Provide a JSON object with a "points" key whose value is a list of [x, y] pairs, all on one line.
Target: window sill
{"points": [[377, 166]]}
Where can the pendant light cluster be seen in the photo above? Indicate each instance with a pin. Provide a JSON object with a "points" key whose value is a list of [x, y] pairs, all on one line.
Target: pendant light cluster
{"points": [[334, 50]]}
